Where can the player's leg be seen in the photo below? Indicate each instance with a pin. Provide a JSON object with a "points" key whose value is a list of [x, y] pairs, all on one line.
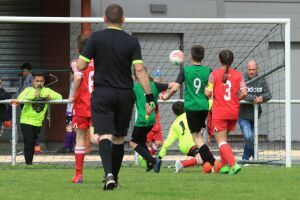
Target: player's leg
{"points": [[196, 122], [28, 139], [79, 155], [138, 143], [194, 159], [123, 112], [224, 126], [102, 103]]}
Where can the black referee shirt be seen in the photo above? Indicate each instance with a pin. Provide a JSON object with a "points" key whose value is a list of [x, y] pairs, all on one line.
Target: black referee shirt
{"points": [[114, 51]]}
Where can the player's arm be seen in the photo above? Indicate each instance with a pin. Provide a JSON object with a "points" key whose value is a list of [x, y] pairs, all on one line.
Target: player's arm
{"points": [[243, 89], [87, 54], [168, 142], [210, 86], [175, 86]]}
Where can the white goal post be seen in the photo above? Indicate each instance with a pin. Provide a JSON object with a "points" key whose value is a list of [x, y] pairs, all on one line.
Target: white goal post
{"points": [[283, 21]]}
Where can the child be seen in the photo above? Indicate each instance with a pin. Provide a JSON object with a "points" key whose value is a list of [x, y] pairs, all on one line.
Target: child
{"points": [[195, 102], [33, 114], [180, 131], [228, 87], [144, 124]]}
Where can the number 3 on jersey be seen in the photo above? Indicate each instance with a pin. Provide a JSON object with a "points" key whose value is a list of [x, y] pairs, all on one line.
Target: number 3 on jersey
{"points": [[91, 81], [197, 85], [228, 85]]}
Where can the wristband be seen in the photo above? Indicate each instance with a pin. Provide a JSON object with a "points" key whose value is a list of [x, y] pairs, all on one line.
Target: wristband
{"points": [[149, 97]]}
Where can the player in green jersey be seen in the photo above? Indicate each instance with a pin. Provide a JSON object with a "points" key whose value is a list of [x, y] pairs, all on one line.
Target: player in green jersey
{"points": [[144, 123], [195, 78]]}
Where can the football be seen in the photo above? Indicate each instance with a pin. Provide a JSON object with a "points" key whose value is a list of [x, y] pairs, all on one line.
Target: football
{"points": [[176, 57]]}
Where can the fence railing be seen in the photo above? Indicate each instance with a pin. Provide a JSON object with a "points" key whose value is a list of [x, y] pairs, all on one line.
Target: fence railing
{"points": [[66, 101]]}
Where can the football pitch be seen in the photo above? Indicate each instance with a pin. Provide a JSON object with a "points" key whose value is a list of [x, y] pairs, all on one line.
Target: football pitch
{"points": [[253, 182]]}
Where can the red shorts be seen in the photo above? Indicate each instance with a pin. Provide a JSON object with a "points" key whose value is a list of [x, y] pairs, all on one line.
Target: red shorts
{"points": [[221, 125], [80, 122], [155, 134]]}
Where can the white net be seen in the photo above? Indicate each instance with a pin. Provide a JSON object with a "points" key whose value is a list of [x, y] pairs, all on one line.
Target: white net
{"points": [[261, 42]]}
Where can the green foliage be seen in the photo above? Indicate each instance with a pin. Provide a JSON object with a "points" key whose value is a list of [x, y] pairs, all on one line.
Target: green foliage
{"points": [[257, 182]]}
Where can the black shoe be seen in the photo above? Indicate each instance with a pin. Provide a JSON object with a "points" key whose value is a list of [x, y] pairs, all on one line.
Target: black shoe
{"points": [[157, 165], [149, 167], [64, 150], [109, 183]]}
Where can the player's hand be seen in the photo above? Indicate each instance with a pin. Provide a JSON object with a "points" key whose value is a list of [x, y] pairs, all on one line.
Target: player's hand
{"points": [[150, 107], [165, 96], [14, 102]]}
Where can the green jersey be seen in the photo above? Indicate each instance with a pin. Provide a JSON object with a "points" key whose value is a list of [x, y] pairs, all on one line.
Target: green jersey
{"points": [[141, 120], [196, 79], [28, 114], [180, 132]]}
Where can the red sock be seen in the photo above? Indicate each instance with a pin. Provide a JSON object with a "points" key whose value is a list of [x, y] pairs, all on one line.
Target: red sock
{"points": [[189, 162], [226, 153], [223, 160], [79, 158], [152, 151]]}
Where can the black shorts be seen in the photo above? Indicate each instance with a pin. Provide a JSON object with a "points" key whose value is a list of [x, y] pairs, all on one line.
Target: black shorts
{"points": [[196, 120], [111, 110], [139, 134]]}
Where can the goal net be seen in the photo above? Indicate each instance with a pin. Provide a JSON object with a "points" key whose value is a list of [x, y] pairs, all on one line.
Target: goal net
{"points": [[260, 40]]}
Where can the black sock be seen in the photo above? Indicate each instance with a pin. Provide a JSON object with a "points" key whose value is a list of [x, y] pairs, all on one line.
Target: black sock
{"points": [[145, 153], [117, 157], [206, 155], [105, 152]]}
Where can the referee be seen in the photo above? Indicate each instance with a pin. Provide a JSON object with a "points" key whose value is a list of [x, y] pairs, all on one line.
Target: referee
{"points": [[114, 52]]}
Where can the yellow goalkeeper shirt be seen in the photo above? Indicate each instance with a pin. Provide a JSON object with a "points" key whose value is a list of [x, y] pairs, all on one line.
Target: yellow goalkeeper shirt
{"points": [[180, 132]]}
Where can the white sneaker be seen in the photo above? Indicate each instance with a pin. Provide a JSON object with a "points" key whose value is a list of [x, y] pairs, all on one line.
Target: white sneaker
{"points": [[178, 166]]}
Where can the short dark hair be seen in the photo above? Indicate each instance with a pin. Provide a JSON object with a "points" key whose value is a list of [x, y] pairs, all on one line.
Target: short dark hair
{"points": [[226, 58], [35, 74], [114, 13], [26, 66], [81, 41], [197, 53], [178, 108]]}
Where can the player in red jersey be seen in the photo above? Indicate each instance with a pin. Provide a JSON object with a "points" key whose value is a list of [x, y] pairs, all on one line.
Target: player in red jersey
{"points": [[81, 119], [228, 87]]}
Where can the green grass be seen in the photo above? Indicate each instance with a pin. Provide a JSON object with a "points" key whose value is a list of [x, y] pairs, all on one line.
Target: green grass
{"points": [[257, 182]]}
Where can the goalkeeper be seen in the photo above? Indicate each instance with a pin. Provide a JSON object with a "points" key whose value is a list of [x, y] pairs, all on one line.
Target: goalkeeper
{"points": [[180, 131], [33, 114]]}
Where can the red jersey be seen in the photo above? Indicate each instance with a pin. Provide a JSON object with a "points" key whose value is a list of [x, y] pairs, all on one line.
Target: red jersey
{"points": [[82, 102], [226, 95]]}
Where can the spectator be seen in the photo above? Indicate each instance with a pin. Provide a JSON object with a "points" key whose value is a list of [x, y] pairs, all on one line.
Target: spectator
{"points": [[258, 92], [33, 114], [69, 140], [26, 77], [3, 108]]}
